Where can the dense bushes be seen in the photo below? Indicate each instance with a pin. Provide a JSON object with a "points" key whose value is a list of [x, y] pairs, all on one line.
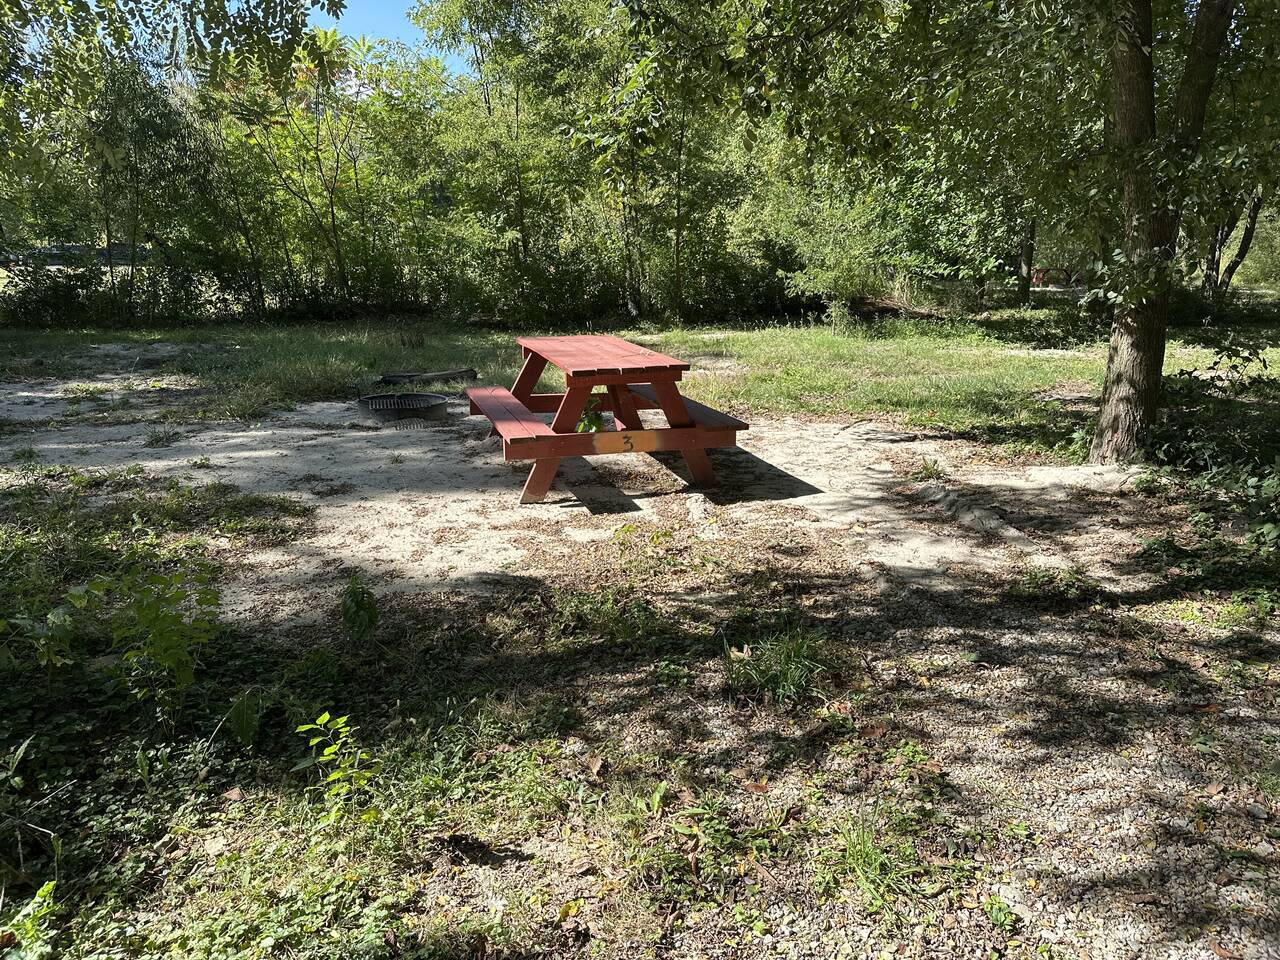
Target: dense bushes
{"points": [[381, 183]]}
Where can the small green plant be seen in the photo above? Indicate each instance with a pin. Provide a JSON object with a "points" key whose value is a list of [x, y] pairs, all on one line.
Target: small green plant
{"points": [[1269, 781], [881, 866], [26, 455], [783, 667], [695, 845], [906, 756], [158, 623], [592, 420], [672, 673], [162, 438], [85, 391], [27, 936], [1054, 585], [202, 463], [347, 772], [359, 610], [1248, 608], [1000, 914], [929, 469]]}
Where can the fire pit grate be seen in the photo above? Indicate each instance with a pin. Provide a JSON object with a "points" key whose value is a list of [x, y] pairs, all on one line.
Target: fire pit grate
{"points": [[394, 407]]}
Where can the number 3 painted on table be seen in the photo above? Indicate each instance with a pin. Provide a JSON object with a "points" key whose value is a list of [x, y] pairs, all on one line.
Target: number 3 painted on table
{"points": [[627, 444]]}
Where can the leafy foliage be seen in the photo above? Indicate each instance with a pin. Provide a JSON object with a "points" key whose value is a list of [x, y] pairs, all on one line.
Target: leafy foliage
{"points": [[359, 610]]}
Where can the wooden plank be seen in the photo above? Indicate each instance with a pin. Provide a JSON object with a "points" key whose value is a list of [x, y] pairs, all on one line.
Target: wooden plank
{"points": [[566, 420], [622, 379], [599, 355], [538, 484], [424, 378], [509, 416], [701, 413], [616, 441]]}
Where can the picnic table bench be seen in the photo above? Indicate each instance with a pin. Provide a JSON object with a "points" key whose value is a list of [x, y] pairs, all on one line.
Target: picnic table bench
{"points": [[634, 378]]}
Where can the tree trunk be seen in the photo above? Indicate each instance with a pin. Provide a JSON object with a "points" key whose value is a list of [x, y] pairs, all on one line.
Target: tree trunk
{"points": [[1213, 262], [1131, 389], [1135, 359], [1246, 241], [1026, 258]]}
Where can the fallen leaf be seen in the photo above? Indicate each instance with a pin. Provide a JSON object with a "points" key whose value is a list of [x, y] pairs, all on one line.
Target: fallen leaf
{"points": [[8, 939], [764, 872], [593, 766], [234, 795], [1221, 952], [1207, 708], [874, 731], [755, 786], [1213, 789]]}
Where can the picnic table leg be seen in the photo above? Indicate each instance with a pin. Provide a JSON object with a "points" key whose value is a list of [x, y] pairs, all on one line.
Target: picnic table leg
{"points": [[677, 414], [566, 421], [625, 416], [528, 379]]}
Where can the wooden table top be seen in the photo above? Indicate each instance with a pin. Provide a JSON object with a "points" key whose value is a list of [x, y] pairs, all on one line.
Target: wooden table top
{"points": [[599, 354]]}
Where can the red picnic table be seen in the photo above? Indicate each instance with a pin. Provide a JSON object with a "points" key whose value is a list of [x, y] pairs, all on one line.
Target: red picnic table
{"points": [[634, 377]]}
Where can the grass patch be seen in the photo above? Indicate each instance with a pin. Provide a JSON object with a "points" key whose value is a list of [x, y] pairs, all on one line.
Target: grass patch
{"points": [[162, 438], [957, 375], [868, 856], [783, 668], [963, 375], [1054, 586], [61, 527]]}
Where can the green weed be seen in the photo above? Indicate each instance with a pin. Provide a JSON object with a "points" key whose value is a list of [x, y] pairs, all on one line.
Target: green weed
{"points": [[347, 772], [1054, 585], [162, 438], [359, 610], [1000, 914], [881, 866], [785, 667], [692, 846], [929, 469]]}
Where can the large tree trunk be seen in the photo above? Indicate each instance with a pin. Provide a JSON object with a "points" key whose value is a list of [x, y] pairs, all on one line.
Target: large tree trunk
{"points": [[1131, 389]]}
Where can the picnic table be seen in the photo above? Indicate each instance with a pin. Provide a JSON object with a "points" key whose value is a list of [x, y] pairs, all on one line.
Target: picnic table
{"points": [[634, 378]]}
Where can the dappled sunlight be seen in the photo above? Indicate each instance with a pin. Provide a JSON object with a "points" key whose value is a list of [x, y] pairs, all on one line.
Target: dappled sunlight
{"points": [[1007, 677]]}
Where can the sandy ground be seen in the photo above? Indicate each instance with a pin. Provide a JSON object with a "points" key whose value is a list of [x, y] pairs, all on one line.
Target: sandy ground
{"points": [[435, 507]]}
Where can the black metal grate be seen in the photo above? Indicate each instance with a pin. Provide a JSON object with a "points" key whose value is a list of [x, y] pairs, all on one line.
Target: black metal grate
{"points": [[405, 401], [390, 407]]}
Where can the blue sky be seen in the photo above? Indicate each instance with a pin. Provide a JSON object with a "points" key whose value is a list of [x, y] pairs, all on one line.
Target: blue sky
{"points": [[373, 18]]}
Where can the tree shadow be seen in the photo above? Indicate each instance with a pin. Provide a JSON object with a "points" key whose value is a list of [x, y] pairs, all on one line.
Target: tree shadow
{"points": [[1074, 678]]}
